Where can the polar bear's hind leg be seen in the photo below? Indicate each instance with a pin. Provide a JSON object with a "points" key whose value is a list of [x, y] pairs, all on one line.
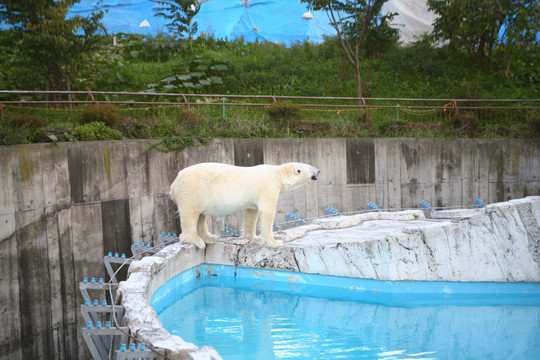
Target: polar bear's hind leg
{"points": [[192, 238], [202, 231], [188, 222]]}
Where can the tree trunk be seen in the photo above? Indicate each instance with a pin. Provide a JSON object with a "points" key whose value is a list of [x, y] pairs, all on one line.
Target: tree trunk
{"points": [[68, 88], [358, 82]]}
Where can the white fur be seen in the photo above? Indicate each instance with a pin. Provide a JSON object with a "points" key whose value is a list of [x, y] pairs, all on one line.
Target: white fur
{"points": [[220, 189]]}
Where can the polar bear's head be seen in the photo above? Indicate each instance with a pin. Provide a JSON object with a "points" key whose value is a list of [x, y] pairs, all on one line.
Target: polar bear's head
{"points": [[297, 174]]}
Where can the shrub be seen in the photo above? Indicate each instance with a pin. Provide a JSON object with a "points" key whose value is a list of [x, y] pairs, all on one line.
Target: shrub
{"points": [[364, 117], [21, 129], [199, 74], [284, 110], [533, 124], [95, 131], [239, 127], [465, 123], [27, 121], [11, 136], [104, 113], [134, 128], [310, 128], [392, 127], [281, 112], [190, 119]]}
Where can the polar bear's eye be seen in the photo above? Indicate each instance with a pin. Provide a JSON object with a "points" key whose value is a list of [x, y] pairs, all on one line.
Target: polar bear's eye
{"points": [[298, 171]]}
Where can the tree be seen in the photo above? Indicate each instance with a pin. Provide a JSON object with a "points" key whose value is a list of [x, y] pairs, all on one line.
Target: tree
{"points": [[55, 46], [358, 23], [181, 14], [484, 26]]}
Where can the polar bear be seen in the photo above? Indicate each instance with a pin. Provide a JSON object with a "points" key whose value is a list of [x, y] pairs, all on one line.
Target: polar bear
{"points": [[219, 189]]}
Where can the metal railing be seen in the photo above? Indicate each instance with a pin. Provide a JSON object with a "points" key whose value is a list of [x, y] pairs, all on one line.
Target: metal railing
{"points": [[65, 107]]}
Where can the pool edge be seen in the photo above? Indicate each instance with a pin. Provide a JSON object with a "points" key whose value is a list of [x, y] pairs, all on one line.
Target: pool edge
{"points": [[148, 274]]}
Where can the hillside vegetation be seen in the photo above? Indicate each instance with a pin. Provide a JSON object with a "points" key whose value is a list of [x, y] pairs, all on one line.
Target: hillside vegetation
{"points": [[304, 69], [162, 64]]}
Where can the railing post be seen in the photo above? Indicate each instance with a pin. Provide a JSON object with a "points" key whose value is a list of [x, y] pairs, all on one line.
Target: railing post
{"points": [[224, 115], [92, 97], [186, 104]]}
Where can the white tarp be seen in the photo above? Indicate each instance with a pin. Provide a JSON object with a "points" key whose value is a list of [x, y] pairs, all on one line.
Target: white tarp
{"points": [[413, 18]]}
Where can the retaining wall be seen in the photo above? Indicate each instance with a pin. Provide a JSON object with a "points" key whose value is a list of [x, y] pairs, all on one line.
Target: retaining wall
{"points": [[63, 207]]}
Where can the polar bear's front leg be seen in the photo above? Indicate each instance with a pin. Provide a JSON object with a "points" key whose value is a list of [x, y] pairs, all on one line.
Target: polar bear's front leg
{"points": [[189, 221], [202, 230], [250, 225], [267, 223]]}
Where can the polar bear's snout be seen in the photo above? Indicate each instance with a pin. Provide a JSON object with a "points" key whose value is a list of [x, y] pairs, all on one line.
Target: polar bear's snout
{"points": [[314, 173]]}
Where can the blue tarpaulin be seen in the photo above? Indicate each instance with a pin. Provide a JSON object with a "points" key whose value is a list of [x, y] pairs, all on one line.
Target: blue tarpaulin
{"points": [[280, 21], [123, 16], [271, 20]]}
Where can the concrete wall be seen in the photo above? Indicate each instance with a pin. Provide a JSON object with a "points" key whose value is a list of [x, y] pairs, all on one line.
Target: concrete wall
{"points": [[62, 207]]}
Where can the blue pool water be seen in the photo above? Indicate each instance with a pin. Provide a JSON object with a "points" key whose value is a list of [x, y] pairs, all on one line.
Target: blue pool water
{"points": [[260, 314]]}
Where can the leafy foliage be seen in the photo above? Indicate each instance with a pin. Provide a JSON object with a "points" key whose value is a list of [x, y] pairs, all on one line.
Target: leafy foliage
{"points": [[21, 129], [196, 74], [391, 127], [103, 113], [190, 119], [533, 126], [135, 47], [95, 131], [358, 24], [284, 112], [28, 121], [48, 42], [107, 70], [482, 27], [466, 124], [165, 64], [181, 14]]}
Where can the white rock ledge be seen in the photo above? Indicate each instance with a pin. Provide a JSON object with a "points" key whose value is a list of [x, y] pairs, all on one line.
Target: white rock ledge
{"points": [[500, 242]]}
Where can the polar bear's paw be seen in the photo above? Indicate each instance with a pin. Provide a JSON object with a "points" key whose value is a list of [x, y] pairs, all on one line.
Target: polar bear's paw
{"points": [[274, 243], [254, 239], [210, 238], [269, 243], [192, 239]]}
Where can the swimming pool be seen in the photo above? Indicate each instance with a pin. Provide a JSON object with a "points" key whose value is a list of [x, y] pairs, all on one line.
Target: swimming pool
{"points": [[248, 313]]}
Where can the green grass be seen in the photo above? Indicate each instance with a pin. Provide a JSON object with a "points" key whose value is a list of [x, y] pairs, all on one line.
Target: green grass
{"points": [[205, 122], [147, 73], [303, 69]]}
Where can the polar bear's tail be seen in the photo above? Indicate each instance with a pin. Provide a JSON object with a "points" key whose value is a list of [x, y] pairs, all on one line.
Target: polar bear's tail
{"points": [[172, 193]]}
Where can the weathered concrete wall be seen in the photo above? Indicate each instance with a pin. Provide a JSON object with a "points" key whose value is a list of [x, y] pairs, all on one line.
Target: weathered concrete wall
{"points": [[62, 207]]}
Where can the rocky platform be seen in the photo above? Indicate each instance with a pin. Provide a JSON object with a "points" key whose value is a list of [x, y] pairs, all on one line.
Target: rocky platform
{"points": [[499, 242]]}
